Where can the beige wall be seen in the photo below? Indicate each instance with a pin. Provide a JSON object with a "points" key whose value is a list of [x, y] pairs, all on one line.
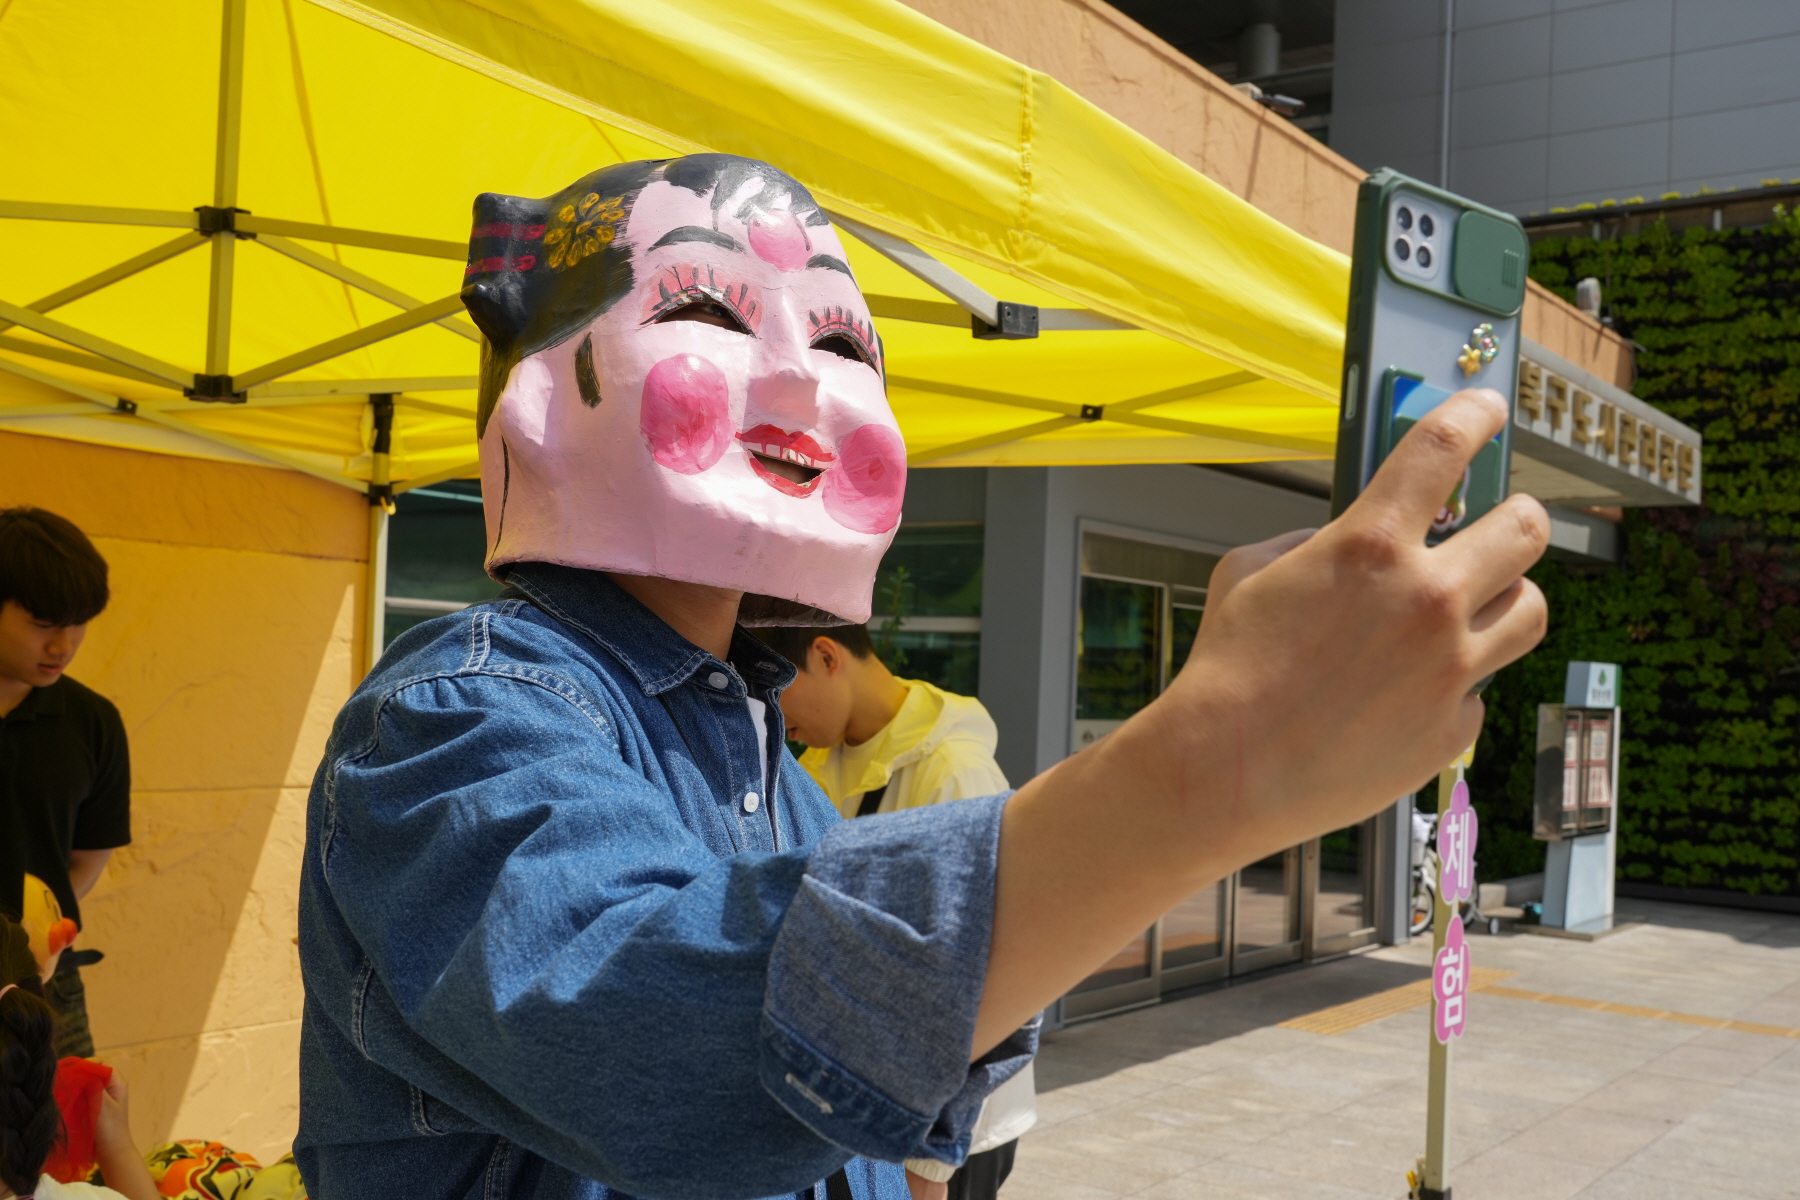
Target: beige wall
{"points": [[231, 640], [1193, 114]]}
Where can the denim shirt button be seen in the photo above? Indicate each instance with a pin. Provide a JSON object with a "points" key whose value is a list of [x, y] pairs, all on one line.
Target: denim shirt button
{"points": [[751, 801], [717, 679]]}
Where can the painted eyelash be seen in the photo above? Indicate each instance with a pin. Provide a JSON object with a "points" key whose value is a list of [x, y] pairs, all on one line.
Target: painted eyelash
{"points": [[840, 320], [675, 292]]}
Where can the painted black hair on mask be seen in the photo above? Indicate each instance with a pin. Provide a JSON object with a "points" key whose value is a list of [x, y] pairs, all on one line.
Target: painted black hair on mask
{"points": [[540, 270]]}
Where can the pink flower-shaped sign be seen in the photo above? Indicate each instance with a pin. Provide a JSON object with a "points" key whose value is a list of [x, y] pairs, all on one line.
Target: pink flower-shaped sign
{"points": [[1450, 984], [1456, 847]]}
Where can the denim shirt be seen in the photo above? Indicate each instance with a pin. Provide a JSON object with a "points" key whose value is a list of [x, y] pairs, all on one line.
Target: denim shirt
{"points": [[560, 940]]}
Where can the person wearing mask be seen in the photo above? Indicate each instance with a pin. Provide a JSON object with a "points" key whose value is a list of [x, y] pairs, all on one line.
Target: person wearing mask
{"points": [[573, 925], [65, 770], [879, 744]]}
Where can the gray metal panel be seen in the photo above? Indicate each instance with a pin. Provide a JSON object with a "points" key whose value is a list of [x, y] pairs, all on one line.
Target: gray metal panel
{"points": [[1703, 23], [1396, 71], [1742, 76], [1471, 14], [1362, 25], [1593, 164], [1500, 112], [1503, 175], [1402, 130], [1602, 97], [1744, 139], [1393, 872], [1611, 33], [1497, 53]]}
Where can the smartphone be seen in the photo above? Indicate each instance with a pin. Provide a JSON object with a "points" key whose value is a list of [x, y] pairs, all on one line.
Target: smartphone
{"points": [[1436, 285]]}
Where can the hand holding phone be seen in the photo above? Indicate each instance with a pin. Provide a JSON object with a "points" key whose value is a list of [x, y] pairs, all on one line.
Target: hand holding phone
{"points": [[1437, 283]]}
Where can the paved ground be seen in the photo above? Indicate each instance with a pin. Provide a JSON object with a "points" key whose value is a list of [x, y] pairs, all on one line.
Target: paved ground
{"points": [[1210, 1098]]}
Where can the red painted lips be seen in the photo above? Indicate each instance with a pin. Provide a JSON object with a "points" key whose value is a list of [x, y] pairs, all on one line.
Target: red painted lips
{"points": [[771, 441]]}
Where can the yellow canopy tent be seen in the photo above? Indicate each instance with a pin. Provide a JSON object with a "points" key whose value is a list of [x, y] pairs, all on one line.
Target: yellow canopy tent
{"points": [[236, 230]]}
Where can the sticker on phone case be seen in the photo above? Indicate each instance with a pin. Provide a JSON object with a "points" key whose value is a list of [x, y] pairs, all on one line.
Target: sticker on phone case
{"points": [[1481, 349]]}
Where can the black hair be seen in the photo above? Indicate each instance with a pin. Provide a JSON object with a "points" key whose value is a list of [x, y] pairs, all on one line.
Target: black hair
{"points": [[50, 567], [793, 641], [540, 269], [30, 1123]]}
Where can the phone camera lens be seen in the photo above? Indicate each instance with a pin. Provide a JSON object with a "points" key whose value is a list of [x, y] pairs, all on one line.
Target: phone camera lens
{"points": [[1425, 257], [1403, 217], [1402, 249], [1427, 226]]}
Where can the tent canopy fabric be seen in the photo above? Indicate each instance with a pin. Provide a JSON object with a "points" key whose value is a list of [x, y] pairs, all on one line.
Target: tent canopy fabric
{"points": [[1180, 324]]}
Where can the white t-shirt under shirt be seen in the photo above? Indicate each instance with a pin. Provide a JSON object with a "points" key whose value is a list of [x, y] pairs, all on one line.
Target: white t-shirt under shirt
{"points": [[759, 717]]}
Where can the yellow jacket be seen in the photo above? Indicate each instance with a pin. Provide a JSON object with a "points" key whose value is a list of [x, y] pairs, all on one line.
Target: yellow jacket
{"points": [[939, 746]]}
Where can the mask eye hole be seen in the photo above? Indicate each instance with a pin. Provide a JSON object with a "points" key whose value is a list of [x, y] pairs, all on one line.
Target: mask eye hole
{"points": [[707, 312], [844, 347]]}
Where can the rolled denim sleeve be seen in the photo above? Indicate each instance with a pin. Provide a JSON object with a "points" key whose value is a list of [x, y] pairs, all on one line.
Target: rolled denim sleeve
{"points": [[875, 979], [550, 952]]}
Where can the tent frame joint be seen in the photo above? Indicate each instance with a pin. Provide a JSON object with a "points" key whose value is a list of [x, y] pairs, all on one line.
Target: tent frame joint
{"points": [[212, 219], [1093, 412], [214, 389], [1013, 322]]}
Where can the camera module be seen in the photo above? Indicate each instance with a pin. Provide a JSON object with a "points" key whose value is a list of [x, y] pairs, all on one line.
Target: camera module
{"points": [[1427, 226], [1425, 255], [1402, 249], [1403, 218]]}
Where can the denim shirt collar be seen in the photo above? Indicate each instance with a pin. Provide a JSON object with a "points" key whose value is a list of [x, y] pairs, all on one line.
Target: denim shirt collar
{"points": [[657, 657]]}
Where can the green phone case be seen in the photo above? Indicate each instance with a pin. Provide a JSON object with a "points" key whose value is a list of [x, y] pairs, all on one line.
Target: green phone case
{"points": [[1416, 333]]}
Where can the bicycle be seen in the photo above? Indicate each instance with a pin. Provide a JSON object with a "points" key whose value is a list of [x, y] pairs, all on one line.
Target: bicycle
{"points": [[1425, 866]]}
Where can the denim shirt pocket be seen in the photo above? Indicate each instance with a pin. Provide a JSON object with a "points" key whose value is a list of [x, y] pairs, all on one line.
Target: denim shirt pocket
{"points": [[431, 1117]]}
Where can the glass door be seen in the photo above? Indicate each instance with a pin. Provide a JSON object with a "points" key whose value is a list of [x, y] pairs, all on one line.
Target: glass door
{"points": [[1343, 890], [1266, 924]]}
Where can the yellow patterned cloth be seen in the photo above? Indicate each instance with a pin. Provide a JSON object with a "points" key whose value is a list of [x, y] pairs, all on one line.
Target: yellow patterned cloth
{"points": [[192, 1170]]}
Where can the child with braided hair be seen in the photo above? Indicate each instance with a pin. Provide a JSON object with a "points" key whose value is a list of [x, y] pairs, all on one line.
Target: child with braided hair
{"points": [[30, 1124]]}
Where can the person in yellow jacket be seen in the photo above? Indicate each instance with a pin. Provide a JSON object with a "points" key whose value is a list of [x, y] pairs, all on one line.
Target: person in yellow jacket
{"points": [[878, 744]]}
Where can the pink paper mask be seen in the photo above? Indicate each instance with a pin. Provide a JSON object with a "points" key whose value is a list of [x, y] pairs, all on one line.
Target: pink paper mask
{"points": [[681, 379]]}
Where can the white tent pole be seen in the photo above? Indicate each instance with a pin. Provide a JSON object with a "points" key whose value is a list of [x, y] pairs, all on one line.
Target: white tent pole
{"points": [[225, 187]]}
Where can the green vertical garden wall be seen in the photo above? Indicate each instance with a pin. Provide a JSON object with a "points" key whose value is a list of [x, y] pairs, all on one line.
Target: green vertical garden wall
{"points": [[1704, 612]]}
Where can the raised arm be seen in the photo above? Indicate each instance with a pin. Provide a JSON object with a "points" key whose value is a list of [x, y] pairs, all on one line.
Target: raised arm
{"points": [[1332, 672]]}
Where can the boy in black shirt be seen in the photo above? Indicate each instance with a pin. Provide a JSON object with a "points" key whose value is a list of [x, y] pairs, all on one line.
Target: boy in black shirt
{"points": [[65, 775]]}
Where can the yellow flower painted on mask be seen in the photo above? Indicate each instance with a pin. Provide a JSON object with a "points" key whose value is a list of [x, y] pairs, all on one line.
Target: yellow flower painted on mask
{"points": [[584, 227]]}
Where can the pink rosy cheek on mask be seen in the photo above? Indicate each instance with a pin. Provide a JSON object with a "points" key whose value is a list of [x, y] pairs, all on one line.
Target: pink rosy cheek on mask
{"points": [[778, 240], [863, 491], [686, 414]]}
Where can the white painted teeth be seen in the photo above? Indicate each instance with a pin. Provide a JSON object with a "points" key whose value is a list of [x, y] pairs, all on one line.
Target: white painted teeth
{"points": [[784, 453]]}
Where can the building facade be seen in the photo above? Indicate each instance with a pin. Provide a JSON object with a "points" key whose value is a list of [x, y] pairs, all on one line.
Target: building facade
{"points": [[1530, 105]]}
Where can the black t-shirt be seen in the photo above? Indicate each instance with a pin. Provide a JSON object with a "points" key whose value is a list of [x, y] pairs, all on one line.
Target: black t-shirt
{"points": [[65, 784]]}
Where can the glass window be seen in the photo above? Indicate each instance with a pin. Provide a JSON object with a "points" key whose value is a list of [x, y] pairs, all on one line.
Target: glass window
{"points": [[437, 543], [1194, 930], [1127, 966], [1104, 554], [930, 579], [1184, 626], [1346, 879], [1118, 669], [1268, 903]]}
